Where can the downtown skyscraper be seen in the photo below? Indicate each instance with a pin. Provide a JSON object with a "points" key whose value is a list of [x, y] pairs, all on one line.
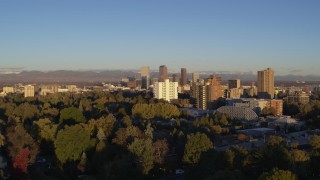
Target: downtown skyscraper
{"points": [[145, 77], [163, 73], [183, 80], [195, 77]]}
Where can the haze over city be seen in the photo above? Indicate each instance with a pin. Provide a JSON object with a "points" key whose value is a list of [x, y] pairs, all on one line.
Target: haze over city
{"points": [[241, 36]]}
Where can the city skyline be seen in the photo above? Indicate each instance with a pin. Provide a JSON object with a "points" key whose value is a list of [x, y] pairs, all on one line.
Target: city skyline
{"points": [[200, 36]]}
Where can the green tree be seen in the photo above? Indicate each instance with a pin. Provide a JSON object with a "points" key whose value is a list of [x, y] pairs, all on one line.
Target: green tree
{"points": [[161, 149], [26, 111], [149, 131], [277, 174], [143, 150], [124, 135], [50, 112], [100, 135], [224, 120], [315, 142], [71, 142], [229, 157], [299, 160], [126, 121], [107, 124], [47, 130], [166, 111], [83, 163], [275, 141], [299, 156], [72, 114], [2, 140], [18, 139], [196, 145], [144, 111]]}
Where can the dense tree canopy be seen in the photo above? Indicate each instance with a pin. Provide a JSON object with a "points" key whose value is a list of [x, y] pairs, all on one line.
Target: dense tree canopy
{"points": [[143, 150], [72, 114], [71, 142], [19, 139], [196, 145], [46, 129], [277, 174], [150, 111], [127, 135]]}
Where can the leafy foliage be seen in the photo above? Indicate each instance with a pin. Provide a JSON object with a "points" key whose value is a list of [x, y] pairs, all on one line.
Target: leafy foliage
{"points": [[72, 114], [26, 111], [143, 150], [71, 142], [47, 129], [21, 161], [196, 145], [19, 139], [160, 151], [275, 141], [2, 140], [315, 142], [277, 174], [150, 111]]}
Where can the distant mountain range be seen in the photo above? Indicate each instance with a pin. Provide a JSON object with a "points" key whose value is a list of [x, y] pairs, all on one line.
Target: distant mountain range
{"points": [[64, 76]]}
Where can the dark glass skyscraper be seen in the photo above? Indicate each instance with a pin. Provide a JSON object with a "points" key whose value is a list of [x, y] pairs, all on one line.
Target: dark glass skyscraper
{"points": [[183, 80], [163, 73], [145, 77]]}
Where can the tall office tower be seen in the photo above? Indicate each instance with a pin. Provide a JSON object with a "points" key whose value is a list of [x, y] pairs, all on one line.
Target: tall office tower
{"points": [[234, 84], [175, 78], [165, 90], [183, 76], [163, 73], [29, 91], [145, 77], [266, 84], [215, 89], [195, 77]]}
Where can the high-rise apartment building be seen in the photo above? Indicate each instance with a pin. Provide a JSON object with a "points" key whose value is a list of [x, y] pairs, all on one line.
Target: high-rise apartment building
{"points": [[145, 77], [215, 89], [266, 84], [29, 91], [234, 84], [207, 93], [163, 73], [183, 80], [195, 77], [202, 97], [165, 90]]}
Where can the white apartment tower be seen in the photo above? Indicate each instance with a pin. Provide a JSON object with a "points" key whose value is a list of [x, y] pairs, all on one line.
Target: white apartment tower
{"points": [[29, 91], [166, 90]]}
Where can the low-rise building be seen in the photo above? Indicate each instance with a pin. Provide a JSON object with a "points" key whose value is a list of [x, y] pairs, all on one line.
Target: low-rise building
{"points": [[238, 113], [297, 98]]}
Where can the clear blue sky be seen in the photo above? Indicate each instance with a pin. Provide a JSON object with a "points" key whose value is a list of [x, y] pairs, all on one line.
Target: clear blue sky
{"points": [[224, 35]]}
